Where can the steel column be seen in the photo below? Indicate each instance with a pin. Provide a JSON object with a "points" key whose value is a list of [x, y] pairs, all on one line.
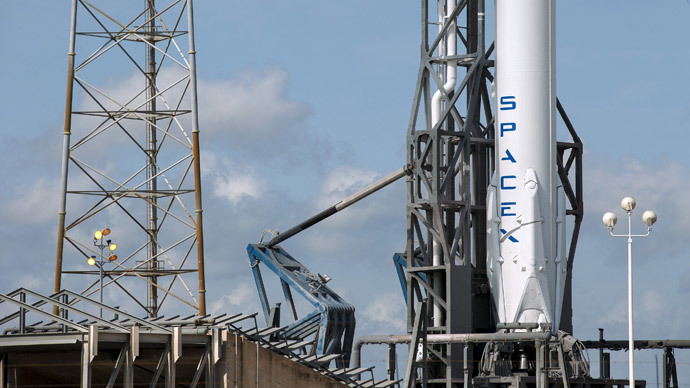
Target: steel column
{"points": [[66, 132], [170, 371], [449, 175], [151, 74], [3, 373], [197, 161], [85, 381]]}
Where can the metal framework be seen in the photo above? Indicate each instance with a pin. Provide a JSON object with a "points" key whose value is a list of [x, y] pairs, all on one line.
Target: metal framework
{"points": [[452, 162], [125, 350], [104, 351], [330, 328], [131, 145]]}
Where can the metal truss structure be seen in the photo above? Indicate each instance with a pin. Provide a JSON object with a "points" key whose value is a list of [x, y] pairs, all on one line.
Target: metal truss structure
{"points": [[120, 349], [131, 146], [104, 351], [450, 143], [329, 329]]}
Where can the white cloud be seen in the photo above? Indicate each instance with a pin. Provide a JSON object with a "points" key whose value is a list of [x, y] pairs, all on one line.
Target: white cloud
{"points": [[684, 282], [660, 265], [29, 281], [231, 181], [348, 229], [647, 308], [617, 314], [34, 204], [653, 304], [253, 107], [343, 181], [241, 298], [234, 186], [661, 185], [388, 309]]}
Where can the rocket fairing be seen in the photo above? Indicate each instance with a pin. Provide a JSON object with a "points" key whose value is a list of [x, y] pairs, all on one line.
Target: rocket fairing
{"points": [[526, 262]]}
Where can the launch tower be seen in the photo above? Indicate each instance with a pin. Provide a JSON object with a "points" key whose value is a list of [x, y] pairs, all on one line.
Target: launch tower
{"points": [[451, 146]]}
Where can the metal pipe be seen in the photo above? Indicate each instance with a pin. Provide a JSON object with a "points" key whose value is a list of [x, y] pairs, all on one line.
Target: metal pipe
{"points": [[100, 289], [631, 340], [436, 111], [665, 369], [639, 344], [445, 339], [539, 382], [465, 367], [529, 326], [601, 354], [392, 361], [22, 314], [451, 66], [356, 197], [66, 132], [197, 163], [57, 329]]}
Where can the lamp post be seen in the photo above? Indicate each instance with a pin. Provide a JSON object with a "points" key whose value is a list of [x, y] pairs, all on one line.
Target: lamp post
{"points": [[610, 219], [100, 242]]}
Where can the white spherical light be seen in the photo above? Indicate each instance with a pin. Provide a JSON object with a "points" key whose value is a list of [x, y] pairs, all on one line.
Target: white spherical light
{"points": [[628, 204], [610, 220], [649, 218]]}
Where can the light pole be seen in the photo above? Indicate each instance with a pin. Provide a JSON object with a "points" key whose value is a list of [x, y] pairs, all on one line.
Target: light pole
{"points": [[610, 219], [100, 242]]}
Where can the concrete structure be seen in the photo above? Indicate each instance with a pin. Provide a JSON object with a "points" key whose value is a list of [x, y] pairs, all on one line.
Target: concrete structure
{"points": [[247, 364], [242, 363], [77, 347]]}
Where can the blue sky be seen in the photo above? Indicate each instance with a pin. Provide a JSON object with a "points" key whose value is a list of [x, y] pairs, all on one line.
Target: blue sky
{"points": [[336, 81]]}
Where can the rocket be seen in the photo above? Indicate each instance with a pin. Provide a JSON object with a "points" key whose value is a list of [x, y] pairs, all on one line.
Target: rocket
{"points": [[526, 262]]}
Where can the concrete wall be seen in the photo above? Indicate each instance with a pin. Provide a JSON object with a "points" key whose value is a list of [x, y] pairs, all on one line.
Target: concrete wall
{"points": [[242, 364], [247, 365]]}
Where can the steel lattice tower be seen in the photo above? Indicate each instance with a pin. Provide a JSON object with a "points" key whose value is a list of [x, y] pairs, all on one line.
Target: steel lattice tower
{"points": [[450, 146], [131, 146]]}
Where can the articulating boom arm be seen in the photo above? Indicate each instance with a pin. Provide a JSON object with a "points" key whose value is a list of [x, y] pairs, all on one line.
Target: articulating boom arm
{"points": [[330, 327]]}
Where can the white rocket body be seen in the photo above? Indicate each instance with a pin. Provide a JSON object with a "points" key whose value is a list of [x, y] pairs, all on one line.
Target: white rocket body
{"points": [[526, 262]]}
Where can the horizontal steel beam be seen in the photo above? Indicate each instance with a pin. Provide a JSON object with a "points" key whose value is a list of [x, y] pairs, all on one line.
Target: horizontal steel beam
{"points": [[639, 344]]}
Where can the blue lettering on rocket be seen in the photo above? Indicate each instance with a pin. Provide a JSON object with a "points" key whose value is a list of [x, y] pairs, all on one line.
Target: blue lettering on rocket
{"points": [[505, 208], [511, 238], [508, 156], [507, 127], [503, 182], [508, 103]]}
